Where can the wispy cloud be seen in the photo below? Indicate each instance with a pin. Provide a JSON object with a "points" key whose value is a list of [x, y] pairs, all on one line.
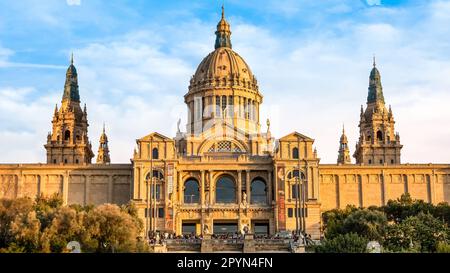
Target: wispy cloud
{"points": [[313, 76], [73, 2]]}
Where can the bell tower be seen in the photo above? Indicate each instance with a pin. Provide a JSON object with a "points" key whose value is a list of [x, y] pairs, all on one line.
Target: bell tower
{"points": [[68, 142], [344, 152], [378, 143], [103, 150]]}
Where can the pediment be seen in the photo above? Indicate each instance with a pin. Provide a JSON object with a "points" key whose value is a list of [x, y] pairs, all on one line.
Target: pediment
{"points": [[296, 136], [155, 137]]}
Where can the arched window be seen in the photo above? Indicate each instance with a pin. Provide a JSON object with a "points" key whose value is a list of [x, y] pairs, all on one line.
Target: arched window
{"points": [[295, 153], [191, 192], [225, 190], [295, 173], [155, 153], [157, 174], [379, 136], [258, 192], [67, 135]]}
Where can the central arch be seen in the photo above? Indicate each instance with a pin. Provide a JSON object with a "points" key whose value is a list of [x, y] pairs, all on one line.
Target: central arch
{"points": [[225, 190]]}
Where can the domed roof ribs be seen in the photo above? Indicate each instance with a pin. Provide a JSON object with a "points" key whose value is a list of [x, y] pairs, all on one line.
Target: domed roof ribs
{"points": [[71, 92], [375, 87], [223, 33]]}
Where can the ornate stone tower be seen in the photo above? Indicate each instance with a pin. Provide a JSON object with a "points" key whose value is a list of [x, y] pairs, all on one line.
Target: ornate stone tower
{"points": [[103, 150], [68, 142], [344, 152], [378, 143]]}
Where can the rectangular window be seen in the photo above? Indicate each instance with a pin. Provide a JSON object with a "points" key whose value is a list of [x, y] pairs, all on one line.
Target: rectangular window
{"points": [[160, 212], [157, 194], [230, 106], [294, 192], [290, 212], [218, 106]]}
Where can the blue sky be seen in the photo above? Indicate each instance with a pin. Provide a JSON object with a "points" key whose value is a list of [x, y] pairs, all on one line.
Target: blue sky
{"points": [[311, 58]]}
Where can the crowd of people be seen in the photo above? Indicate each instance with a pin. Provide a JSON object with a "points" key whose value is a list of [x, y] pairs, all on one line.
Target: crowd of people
{"points": [[158, 238]]}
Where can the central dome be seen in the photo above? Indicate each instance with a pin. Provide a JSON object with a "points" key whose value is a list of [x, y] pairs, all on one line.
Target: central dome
{"points": [[223, 89], [223, 67], [223, 63]]}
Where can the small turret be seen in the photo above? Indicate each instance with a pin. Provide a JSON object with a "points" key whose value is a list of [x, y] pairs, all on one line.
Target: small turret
{"points": [[103, 150], [344, 152]]}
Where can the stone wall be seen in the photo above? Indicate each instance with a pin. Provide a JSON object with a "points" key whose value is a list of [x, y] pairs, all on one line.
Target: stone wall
{"points": [[77, 184], [363, 186]]}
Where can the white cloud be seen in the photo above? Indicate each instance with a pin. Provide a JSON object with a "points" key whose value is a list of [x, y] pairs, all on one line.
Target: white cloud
{"points": [[312, 83], [73, 2], [373, 2]]}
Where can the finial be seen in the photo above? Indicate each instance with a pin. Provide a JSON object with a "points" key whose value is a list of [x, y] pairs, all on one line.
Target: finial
{"points": [[343, 129], [268, 124], [374, 61], [71, 59], [223, 11], [103, 127]]}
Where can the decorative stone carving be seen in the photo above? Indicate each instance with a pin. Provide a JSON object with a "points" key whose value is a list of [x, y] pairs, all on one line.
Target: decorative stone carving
{"points": [[244, 199]]}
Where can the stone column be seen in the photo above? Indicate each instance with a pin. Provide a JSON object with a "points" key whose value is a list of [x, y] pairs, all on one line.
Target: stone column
{"points": [[338, 192], [180, 189], [136, 189], [239, 187], [110, 188], [247, 186], [383, 188], [211, 188], [202, 190], [269, 187], [39, 184], [87, 183], [433, 187], [65, 188], [309, 181]]}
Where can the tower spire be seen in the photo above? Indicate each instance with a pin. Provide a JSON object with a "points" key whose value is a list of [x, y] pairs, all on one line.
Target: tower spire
{"points": [[223, 11], [344, 152], [375, 87], [223, 32], [103, 149], [71, 92]]}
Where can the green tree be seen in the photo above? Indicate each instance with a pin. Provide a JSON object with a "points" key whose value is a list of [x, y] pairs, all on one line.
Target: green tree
{"points": [[423, 233], [112, 229], [343, 243], [366, 223], [18, 224], [404, 207]]}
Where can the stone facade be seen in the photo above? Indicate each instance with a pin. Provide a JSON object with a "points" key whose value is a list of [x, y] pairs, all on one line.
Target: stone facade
{"points": [[223, 173]]}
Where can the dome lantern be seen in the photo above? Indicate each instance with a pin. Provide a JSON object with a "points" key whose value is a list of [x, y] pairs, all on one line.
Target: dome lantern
{"points": [[223, 33]]}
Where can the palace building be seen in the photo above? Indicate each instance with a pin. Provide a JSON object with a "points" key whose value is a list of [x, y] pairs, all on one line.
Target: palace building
{"points": [[222, 173]]}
